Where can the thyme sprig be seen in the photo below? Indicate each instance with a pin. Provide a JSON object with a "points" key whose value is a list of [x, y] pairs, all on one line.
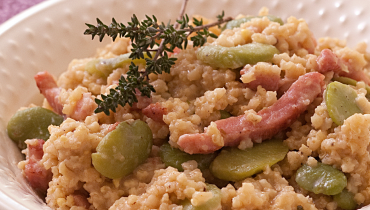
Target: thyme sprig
{"points": [[145, 36]]}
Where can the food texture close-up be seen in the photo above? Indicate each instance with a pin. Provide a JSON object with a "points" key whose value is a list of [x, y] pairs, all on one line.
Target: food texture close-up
{"points": [[240, 106]]}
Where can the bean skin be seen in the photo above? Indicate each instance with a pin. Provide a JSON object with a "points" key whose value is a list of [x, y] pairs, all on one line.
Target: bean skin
{"points": [[212, 204], [31, 123], [123, 149], [323, 179], [233, 164], [175, 157], [349, 81], [340, 101], [225, 114], [235, 57], [103, 67], [345, 200]]}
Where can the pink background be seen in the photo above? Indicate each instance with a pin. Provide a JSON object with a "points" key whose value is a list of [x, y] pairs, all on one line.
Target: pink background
{"points": [[9, 8]]}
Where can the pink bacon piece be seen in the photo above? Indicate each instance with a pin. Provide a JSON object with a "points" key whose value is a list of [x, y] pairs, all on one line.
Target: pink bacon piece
{"points": [[49, 88], [155, 112], [111, 127], [80, 198], [142, 101], [328, 61], [270, 82], [176, 51], [84, 107], [275, 118], [36, 174]]}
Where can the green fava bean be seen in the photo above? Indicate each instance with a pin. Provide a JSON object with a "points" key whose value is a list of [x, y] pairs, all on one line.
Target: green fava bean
{"points": [[341, 102], [31, 123], [224, 114], [349, 81], [104, 67], [233, 164], [237, 22], [345, 200], [211, 204], [175, 157], [123, 149], [323, 179], [345, 80], [235, 57]]}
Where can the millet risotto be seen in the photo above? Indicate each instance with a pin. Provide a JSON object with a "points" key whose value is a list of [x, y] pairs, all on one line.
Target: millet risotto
{"points": [[265, 116]]}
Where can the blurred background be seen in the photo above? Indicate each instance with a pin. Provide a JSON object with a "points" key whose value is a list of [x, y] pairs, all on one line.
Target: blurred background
{"points": [[9, 8]]}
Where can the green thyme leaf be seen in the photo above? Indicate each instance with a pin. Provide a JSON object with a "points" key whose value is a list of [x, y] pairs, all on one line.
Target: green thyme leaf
{"points": [[144, 37]]}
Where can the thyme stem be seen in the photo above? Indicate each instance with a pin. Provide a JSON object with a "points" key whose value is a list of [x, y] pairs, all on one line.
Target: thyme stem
{"points": [[143, 37], [182, 12]]}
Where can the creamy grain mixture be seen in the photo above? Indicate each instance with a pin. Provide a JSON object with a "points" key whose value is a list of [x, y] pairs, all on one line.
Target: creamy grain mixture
{"points": [[186, 111]]}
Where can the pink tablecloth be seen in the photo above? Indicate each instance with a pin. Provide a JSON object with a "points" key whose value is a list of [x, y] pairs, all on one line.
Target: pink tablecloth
{"points": [[9, 8]]}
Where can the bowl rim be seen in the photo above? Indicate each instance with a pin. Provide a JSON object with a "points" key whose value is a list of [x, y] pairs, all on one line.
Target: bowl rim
{"points": [[6, 201]]}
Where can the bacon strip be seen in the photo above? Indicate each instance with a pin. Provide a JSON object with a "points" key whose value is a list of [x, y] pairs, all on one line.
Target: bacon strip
{"points": [[176, 51], [84, 107], [328, 61], [275, 118], [81, 200], [142, 101], [155, 112], [112, 127], [37, 176], [269, 82], [49, 88]]}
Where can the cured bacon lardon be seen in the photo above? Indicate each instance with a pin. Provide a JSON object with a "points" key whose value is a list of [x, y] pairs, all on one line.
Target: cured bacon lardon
{"points": [[275, 118]]}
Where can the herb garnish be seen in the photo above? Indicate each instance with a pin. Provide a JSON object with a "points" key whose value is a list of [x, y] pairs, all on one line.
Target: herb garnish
{"points": [[144, 37]]}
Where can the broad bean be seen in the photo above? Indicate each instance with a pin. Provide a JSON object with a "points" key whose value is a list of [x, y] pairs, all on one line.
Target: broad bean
{"points": [[123, 149], [233, 164], [31, 123], [235, 57], [211, 204], [340, 102], [345, 200], [237, 22], [323, 179], [175, 157], [349, 81], [104, 67], [224, 114]]}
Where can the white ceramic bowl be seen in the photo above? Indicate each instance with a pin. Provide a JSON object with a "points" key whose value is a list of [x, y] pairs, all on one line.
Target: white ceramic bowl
{"points": [[49, 35]]}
